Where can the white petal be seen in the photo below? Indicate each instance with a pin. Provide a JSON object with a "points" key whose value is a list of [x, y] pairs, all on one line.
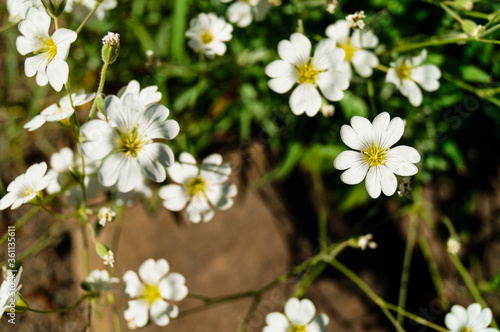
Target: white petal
{"points": [[174, 197], [400, 160], [392, 77], [100, 139], [364, 62], [324, 53], [352, 139], [159, 313], [296, 51], [35, 123], [240, 13], [63, 35], [151, 272], [57, 72], [121, 170], [356, 173], [372, 182], [457, 318], [332, 83], [172, 287], [199, 210], [213, 170], [318, 324], [153, 158], [392, 134], [388, 181], [299, 312], [338, 31], [363, 129], [137, 312], [220, 195], [305, 98], [133, 286], [276, 321], [185, 169], [427, 76], [347, 159], [411, 90]]}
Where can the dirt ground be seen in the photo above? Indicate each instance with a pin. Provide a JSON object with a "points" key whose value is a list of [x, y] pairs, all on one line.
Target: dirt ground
{"points": [[244, 248]]}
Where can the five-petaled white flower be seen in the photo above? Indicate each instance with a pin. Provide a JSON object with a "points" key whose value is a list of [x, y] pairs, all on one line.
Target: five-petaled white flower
{"points": [[299, 317], [63, 111], [128, 142], [471, 320], [207, 34], [49, 52], [157, 286], [99, 280], [198, 187], [374, 157], [405, 73], [242, 12], [323, 70], [26, 186], [9, 291], [355, 47]]}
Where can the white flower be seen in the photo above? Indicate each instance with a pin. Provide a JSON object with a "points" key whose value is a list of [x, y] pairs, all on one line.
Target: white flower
{"points": [[49, 52], [147, 96], [109, 259], [157, 286], [471, 320], [130, 143], [199, 187], [365, 241], [99, 280], [356, 20], [405, 73], [207, 34], [242, 12], [106, 215], [26, 186], [323, 70], [374, 157], [355, 47], [453, 246], [18, 8], [63, 111], [299, 317], [9, 290]]}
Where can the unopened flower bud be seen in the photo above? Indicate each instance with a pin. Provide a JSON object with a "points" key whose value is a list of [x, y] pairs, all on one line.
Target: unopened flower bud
{"points": [[363, 242], [54, 7], [453, 246], [110, 47], [356, 20]]}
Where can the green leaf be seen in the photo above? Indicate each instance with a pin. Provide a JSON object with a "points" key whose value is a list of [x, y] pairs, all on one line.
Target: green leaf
{"points": [[452, 151], [353, 105], [101, 250], [474, 74]]}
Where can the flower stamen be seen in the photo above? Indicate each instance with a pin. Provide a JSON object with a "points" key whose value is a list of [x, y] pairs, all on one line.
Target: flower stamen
{"points": [[404, 70], [47, 48], [348, 49], [206, 37], [129, 143], [307, 73], [196, 186], [375, 156], [151, 293], [297, 328]]}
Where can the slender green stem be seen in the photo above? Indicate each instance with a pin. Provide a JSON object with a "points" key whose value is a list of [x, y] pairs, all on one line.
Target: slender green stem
{"points": [[432, 42], [116, 318], [433, 270], [368, 291], [449, 225], [322, 214], [89, 317], [55, 215], [56, 23], [71, 307], [7, 26], [85, 240], [405, 274], [382, 68], [99, 90], [472, 13], [471, 285], [117, 229], [88, 17], [251, 311], [21, 221], [492, 20], [452, 13], [371, 96], [415, 318], [308, 278], [489, 31]]}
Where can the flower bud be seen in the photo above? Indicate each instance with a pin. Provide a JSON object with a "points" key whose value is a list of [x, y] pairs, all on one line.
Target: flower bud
{"points": [[110, 47], [54, 7]]}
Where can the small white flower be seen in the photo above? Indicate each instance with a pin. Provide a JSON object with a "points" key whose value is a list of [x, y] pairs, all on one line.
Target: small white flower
{"points": [[207, 34], [331, 6], [109, 259], [49, 52], [365, 241], [199, 187], [324, 70], [157, 285], [405, 73], [18, 8], [242, 12], [374, 157], [99, 280], [355, 47], [327, 110], [106, 215], [132, 141], [111, 39], [9, 290], [356, 20], [26, 186], [300, 316], [453, 246], [147, 96], [471, 320], [63, 111]]}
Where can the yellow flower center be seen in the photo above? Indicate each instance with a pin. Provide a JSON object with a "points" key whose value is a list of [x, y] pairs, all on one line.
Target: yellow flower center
{"points": [[404, 70], [297, 328], [196, 186], [151, 293], [29, 191], [307, 73], [375, 156], [206, 37], [47, 48], [129, 143], [466, 329], [348, 49]]}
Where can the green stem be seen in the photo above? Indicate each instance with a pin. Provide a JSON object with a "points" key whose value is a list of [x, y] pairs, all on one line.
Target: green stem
{"points": [[371, 96], [99, 90], [492, 20], [71, 307], [405, 275], [438, 42], [88, 17], [433, 270], [116, 318], [21, 222], [471, 285], [251, 311], [85, 240], [7, 27], [308, 279], [322, 214], [487, 32], [415, 318], [368, 291], [452, 13]]}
